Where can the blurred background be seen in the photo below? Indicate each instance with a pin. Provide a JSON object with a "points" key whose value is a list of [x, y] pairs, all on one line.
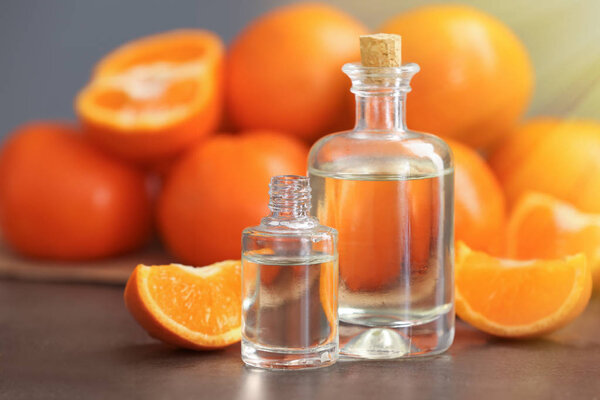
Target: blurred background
{"points": [[49, 47]]}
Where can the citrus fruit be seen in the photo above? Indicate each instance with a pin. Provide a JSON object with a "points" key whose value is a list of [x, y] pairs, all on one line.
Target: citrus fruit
{"points": [[519, 298], [364, 212], [380, 224], [194, 308], [221, 187], [479, 204], [476, 77], [284, 71], [542, 226], [61, 198], [557, 157], [154, 96]]}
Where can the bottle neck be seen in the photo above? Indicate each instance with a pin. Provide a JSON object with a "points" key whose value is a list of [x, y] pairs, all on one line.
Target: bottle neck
{"points": [[289, 201], [380, 96], [381, 112]]}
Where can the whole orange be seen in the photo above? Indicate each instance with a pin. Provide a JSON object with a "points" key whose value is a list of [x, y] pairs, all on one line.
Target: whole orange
{"points": [[381, 224], [476, 77], [220, 187], [479, 204], [61, 198], [557, 157], [284, 71]]}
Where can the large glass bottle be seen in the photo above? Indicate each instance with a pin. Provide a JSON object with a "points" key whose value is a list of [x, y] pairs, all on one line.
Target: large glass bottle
{"points": [[289, 283], [388, 191]]}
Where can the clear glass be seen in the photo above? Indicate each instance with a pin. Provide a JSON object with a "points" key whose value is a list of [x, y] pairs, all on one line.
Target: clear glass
{"points": [[289, 284], [388, 191]]}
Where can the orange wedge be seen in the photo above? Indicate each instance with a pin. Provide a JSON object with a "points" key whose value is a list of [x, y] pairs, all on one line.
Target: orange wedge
{"points": [[542, 226], [519, 298], [152, 97], [194, 308]]}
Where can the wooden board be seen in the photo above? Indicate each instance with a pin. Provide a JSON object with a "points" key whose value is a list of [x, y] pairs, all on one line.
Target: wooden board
{"points": [[110, 271]]}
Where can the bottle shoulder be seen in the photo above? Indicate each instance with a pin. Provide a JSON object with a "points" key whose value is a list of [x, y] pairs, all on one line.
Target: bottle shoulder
{"points": [[406, 153], [315, 232], [272, 244]]}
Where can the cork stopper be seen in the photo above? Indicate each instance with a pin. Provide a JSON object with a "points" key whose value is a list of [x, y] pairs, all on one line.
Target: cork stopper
{"points": [[381, 50]]}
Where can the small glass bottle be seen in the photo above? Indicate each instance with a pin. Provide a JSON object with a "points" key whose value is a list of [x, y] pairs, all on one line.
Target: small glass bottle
{"points": [[388, 191], [289, 283]]}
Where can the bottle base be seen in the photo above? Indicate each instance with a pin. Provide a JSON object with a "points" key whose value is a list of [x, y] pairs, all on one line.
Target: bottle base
{"points": [[284, 359], [391, 342]]}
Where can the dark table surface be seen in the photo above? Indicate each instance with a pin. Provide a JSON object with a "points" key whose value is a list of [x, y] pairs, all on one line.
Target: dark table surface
{"points": [[74, 341]]}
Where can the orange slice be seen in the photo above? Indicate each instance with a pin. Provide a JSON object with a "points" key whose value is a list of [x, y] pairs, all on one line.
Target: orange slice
{"points": [[542, 226], [519, 298], [195, 308], [152, 97]]}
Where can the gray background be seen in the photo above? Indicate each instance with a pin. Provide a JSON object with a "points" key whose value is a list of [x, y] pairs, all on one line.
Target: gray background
{"points": [[48, 47]]}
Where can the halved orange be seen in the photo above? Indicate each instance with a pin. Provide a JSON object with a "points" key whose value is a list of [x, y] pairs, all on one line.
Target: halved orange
{"points": [[542, 226], [519, 298], [152, 97], [194, 308]]}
